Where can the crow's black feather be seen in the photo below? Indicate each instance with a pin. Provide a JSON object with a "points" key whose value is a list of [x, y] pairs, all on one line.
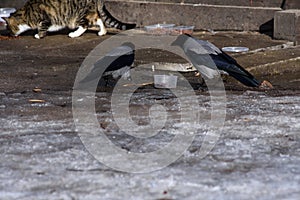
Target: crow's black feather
{"points": [[116, 59], [207, 58]]}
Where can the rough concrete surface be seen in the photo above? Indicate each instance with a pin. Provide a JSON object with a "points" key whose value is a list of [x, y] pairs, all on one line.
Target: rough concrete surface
{"points": [[202, 16], [216, 15], [287, 25], [42, 157], [260, 3], [290, 4]]}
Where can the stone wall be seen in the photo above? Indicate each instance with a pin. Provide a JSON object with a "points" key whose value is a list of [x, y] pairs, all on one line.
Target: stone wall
{"points": [[203, 17], [289, 4], [287, 25], [254, 3], [11, 3], [236, 15]]}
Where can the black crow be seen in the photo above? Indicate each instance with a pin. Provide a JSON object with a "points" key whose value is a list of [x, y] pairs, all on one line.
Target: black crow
{"points": [[117, 63], [209, 60]]}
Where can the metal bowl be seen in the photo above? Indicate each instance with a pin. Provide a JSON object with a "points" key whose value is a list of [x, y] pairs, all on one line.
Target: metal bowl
{"points": [[235, 49], [5, 12]]}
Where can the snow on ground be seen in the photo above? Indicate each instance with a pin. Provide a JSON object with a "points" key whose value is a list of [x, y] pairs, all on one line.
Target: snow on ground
{"points": [[256, 157]]}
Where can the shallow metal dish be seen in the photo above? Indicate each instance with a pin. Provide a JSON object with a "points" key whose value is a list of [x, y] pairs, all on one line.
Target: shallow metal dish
{"points": [[5, 12], [235, 49]]}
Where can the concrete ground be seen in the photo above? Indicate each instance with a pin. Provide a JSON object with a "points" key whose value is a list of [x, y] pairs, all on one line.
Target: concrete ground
{"points": [[42, 156]]}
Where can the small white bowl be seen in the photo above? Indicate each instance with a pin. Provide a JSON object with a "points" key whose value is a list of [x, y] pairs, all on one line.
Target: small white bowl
{"points": [[235, 49], [165, 81], [5, 12]]}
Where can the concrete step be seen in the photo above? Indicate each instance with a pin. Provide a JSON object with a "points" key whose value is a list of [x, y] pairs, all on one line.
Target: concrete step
{"points": [[287, 4], [256, 3], [236, 15], [12, 3], [203, 17], [287, 25]]}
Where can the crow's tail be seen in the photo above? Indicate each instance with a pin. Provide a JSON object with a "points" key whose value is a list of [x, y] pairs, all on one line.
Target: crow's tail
{"points": [[247, 80], [229, 65]]}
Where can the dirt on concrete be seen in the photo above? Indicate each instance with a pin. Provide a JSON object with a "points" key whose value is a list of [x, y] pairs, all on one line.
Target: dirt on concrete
{"points": [[52, 63]]}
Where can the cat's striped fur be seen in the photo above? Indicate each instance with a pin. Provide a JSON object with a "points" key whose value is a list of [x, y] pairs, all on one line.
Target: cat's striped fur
{"points": [[53, 15]]}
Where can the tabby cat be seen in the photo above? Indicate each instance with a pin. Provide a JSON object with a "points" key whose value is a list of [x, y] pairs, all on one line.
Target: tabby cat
{"points": [[53, 15]]}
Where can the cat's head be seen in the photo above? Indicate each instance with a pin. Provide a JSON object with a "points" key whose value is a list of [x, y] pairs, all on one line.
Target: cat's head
{"points": [[16, 23]]}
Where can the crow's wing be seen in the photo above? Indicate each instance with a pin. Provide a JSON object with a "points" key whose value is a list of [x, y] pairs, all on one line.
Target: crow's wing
{"points": [[209, 47], [204, 64], [229, 65], [198, 46], [120, 62], [117, 58], [120, 51], [198, 51], [221, 60]]}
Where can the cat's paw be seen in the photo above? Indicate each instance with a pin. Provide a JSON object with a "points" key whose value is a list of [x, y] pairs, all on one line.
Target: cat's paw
{"points": [[102, 32], [36, 36], [73, 34], [78, 32]]}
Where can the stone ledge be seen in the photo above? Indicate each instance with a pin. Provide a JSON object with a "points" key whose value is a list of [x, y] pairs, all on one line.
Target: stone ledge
{"points": [[287, 25], [289, 4], [254, 3], [203, 17]]}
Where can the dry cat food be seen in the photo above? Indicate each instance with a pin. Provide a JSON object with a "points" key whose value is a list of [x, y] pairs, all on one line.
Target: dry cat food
{"points": [[3, 37], [183, 30]]}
